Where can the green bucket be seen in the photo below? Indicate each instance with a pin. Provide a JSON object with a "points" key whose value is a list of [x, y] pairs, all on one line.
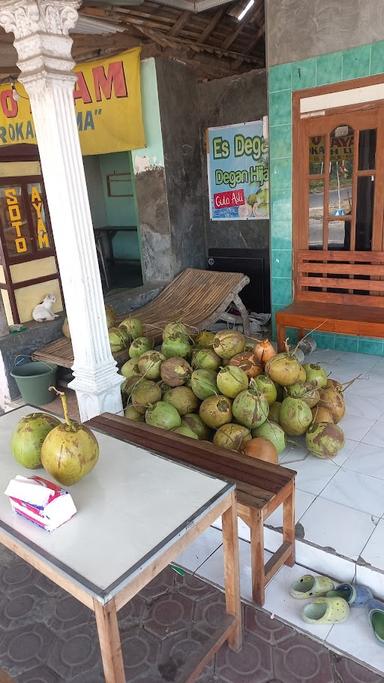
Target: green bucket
{"points": [[34, 379]]}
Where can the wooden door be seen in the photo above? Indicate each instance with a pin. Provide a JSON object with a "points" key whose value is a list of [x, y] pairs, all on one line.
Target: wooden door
{"points": [[339, 168]]}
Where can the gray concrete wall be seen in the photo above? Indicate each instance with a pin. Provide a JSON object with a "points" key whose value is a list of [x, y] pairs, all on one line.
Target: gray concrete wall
{"points": [[297, 29], [181, 133], [223, 102]]}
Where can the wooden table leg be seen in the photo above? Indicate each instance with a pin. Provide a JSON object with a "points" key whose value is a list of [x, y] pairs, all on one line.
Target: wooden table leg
{"points": [[110, 645], [232, 572], [257, 556], [289, 524]]}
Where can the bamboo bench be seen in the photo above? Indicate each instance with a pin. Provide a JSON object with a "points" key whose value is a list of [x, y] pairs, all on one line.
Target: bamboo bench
{"points": [[198, 298], [340, 292], [261, 487]]}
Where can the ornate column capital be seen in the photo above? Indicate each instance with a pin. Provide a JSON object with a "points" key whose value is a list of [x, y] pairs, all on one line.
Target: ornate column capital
{"points": [[41, 29]]}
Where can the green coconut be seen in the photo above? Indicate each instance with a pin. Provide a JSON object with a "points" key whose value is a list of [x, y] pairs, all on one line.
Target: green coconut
{"points": [[183, 399], [321, 414], [149, 364], [215, 411], [274, 411], [132, 414], [333, 399], [117, 339], [231, 436], [175, 371], [176, 345], [70, 450], [110, 315], [28, 438], [145, 393], [315, 374], [133, 327], [267, 387], [324, 439], [231, 380], [305, 390], [197, 425], [283, 369], [163, 415], [203, 383], [205, 359], [176, 328], [273, 433], [139, 346], [130, 368], [204, 338], [185, 431], [228, 343], [250, 409], [302, 375], [295, 416]]}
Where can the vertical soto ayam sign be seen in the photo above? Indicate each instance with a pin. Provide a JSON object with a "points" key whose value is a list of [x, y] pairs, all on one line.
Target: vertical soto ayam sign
{"points": [[238, 171]]}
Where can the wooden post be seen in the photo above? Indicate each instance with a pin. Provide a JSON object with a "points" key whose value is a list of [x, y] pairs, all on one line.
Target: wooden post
{"points": [[289, 523], [257, 555], [232, 572], [110, 645]]}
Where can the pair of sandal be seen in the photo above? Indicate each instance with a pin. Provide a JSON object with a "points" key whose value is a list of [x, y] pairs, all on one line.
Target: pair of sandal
{"points": [[330, 602]]}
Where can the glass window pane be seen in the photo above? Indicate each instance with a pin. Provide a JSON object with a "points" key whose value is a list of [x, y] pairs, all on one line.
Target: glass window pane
{"points": [[316, 214], [340, 171], [367, 150], [39, 217], [14, 221], [316, 154], [339, 235], [364, 212]]}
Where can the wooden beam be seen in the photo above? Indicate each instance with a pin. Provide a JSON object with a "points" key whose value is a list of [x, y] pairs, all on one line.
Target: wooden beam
{"points": [[242, 24], [183, 18], [212, 24]]}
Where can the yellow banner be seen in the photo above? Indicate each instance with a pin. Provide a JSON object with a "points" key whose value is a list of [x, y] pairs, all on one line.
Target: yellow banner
{"points": [[108, 107]]}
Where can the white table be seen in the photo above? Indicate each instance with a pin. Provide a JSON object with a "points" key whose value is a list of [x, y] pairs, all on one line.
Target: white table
{"points": [[136, 513]]}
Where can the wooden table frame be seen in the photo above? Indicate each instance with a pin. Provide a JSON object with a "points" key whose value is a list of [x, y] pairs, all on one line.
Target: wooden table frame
{"points": [[106, 613]]}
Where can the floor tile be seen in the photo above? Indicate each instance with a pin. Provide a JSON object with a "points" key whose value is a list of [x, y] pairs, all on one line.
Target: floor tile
{"points": [[280, 604], [357, 491], [293, 453], [303, 501], [369, 407], [337, 527], [366, 459], [198, 551], [313, 473], [345, 452], [356, 428], [373, 552], [354, 637], [213, 569], [375, 435]]}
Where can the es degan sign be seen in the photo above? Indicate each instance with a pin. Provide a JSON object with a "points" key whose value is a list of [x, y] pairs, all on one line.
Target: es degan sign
{"points": [[238, 172], [107, 98]]}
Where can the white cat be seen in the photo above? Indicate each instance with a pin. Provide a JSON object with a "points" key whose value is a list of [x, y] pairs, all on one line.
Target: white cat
{"points": [[43, 311]]}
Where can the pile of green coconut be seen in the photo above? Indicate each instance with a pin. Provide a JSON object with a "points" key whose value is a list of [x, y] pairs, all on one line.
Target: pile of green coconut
{"points": [[226, 388]]}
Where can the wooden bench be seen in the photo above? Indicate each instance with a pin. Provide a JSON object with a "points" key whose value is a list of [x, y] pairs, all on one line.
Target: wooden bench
{"points": [[197, 298], [340, 292], [261, 487]]}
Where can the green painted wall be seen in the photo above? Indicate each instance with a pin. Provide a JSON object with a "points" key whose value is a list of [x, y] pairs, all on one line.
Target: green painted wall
{"points": [[123, 210], [283, 80], [152, 154]]}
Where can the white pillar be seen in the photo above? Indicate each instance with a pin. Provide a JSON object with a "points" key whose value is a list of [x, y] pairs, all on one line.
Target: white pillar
{"points": [[44, 47]]}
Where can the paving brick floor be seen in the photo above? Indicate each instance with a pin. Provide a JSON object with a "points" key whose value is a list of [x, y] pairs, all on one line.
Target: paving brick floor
{"points": [[48, 637]]}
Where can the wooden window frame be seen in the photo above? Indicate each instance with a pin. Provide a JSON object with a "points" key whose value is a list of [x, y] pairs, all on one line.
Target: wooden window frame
{"points": [[299, 160]]}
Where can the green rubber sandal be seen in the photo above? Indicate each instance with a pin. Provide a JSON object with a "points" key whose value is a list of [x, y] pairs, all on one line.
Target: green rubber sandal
{"points": [[326, 611], [376, 617], [309, 586]]}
